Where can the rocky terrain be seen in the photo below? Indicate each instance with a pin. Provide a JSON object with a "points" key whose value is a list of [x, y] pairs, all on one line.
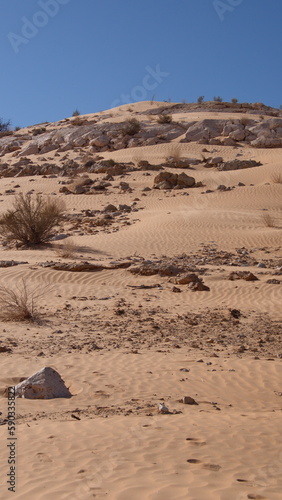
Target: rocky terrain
{"points": [[158, 302]]}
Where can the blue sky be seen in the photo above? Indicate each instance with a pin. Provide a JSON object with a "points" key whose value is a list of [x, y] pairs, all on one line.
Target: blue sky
{"points": [[59, 55]]}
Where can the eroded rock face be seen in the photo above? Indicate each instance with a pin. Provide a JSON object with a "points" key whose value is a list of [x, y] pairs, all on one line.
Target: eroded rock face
{"points": [[263, 134], [204, 130], [44, 384], [30, 149]]}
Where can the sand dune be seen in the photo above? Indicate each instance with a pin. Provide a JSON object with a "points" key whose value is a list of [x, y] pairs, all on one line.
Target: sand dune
{"points": [[124, 342]]}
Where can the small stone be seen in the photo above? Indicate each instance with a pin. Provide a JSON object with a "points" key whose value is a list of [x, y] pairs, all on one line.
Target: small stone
{"points": [[187, 400], [235, 313], [163, 408]]}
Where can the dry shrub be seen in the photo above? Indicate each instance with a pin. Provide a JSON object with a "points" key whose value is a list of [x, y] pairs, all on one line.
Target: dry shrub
{"points": [[164, 119], [31, 221], [131, 127], [268, 220], [78, 121], [174, 152], [244, 120], [136, 158], [67, 250], [21, 302], [277, 177]]}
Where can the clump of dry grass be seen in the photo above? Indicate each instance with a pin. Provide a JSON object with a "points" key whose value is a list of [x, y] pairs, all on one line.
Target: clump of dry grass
{"points": [[173, 152], [67, 250], [268, 220], [136, 158], [20, 303], [276, 177]]}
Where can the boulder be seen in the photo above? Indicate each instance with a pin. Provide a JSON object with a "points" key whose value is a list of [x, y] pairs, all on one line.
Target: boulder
{"points": [[165, 177], [100, 142], [110, 208], [228, 141], [30, 149], [274, 123], [238, 164], [187, 400], [149, 269], [238, 135], [215, 160], [198, 287], [172, 162], [167, 180], [204, 129], [267, 142], [183, 180], [44, 384], [187, 278], [242, 275]]}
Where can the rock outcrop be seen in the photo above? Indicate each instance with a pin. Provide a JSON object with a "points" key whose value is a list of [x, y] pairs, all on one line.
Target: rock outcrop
{"points": [[259, 134]]}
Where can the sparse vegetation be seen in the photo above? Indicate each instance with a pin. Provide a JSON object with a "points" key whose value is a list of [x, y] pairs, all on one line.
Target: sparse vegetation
{"points": [[244, 120], [20, 303], [38, 131], [76, 113], [234, 100], [67, 250], [164, 119], [31, 221], [268, 220], [276, 177], [201, 99], [217, 99], [17, 129], [4, 126], [131, 127], [173, 152], [78, 121]]}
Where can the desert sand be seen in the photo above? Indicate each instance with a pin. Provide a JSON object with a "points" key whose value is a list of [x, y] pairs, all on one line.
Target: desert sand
{"points": [[126, 341]]}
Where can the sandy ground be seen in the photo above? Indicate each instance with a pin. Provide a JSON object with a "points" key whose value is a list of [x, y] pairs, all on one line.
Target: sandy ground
{"points": [[125, 342]]}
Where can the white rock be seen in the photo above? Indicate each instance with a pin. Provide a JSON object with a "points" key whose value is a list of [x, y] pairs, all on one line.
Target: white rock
{"points": [[45, 384], [163, 408]]}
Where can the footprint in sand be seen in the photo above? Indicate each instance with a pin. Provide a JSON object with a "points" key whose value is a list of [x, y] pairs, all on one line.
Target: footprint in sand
{"points": [[196, 442], [43, 457], [212, 467], [255, 497]]}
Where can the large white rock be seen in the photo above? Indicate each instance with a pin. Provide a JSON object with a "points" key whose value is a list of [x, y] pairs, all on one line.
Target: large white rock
{"points": [[45, 384]]}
